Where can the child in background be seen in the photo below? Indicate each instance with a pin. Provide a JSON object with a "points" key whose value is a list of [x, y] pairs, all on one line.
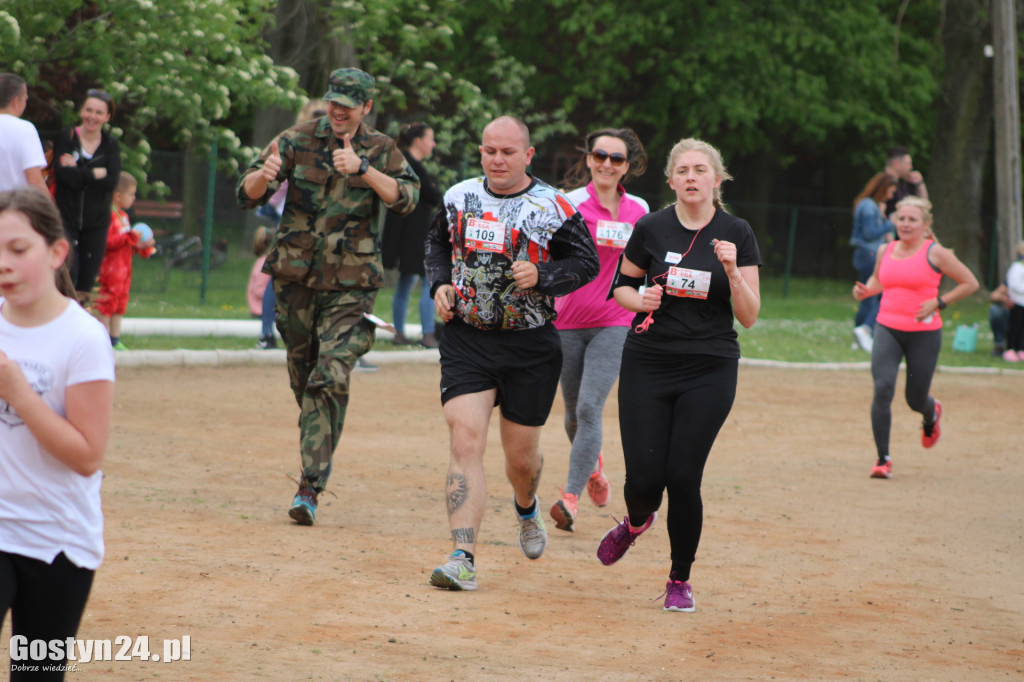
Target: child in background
{"points": [[56, 401], [116, 269], [258, 286]]}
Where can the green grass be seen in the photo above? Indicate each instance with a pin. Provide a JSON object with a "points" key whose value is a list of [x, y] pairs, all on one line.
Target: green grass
{"points": [[813, 323]]}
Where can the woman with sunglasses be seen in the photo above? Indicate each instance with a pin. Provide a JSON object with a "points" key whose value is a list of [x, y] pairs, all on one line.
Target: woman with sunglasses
{"points": [[88, 166], [591, 327], [679, 362]]}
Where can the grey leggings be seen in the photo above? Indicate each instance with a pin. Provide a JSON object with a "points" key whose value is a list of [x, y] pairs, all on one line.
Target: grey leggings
{"points": [[590, 366], [922, 352]]}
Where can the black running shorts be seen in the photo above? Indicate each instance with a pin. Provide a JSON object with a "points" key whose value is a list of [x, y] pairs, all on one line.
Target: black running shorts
{"points": [[523, 365]]}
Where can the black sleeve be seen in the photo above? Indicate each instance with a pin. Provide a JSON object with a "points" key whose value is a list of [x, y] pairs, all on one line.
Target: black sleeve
{"points": [[574, 260], [111, 160], [430, 195], [437, 252], [72, 177]]}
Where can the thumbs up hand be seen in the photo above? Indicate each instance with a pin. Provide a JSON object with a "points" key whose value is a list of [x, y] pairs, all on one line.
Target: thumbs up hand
{"points": [[272, 165], [345, 159]]}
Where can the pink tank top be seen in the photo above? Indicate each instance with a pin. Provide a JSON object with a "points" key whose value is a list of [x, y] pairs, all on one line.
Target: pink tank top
{"points": [[906, 284]]}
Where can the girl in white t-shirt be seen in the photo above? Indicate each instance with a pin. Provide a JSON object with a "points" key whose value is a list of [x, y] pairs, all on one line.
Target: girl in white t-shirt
{"points": [[56, 399]]}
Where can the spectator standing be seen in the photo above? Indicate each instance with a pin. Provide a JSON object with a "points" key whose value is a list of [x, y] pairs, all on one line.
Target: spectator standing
{"points": [[88, 166], [404, 236], [22, 159], [325, 259], [909, 182], [870, 229], [116, 270], [1000, 305]]}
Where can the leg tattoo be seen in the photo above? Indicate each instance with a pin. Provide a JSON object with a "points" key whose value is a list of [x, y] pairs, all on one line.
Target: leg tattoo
{"points": [[464, 536], [458, 491]]}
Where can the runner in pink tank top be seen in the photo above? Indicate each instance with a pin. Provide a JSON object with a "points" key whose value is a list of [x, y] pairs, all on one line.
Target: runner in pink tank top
{"points": [[907, 274]]}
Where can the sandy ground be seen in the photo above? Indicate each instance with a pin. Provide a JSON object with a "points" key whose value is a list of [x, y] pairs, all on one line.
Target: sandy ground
{"points": [[808, 569]]}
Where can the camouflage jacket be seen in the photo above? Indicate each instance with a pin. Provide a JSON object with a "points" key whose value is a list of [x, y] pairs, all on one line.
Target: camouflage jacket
{"points": [[329, 236]]}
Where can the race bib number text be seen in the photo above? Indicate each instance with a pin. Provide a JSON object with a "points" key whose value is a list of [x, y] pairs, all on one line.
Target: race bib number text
{"points": [[485, 235], [687, 283], [612, 233]]}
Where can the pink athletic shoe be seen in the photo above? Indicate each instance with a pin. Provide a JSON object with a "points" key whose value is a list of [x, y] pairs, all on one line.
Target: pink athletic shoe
{"points": [[598, 487], [619, 539], [930, 432], [678, 596]]}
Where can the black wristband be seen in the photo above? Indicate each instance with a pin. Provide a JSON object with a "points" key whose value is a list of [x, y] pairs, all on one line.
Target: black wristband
{"points": [[363, 166], [942, 304]]}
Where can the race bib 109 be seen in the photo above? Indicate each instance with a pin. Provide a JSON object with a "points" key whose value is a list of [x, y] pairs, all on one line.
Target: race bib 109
{"points": [[485, 235]]}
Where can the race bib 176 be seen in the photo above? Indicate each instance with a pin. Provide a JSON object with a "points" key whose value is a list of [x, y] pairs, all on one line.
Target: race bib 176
{"points": [[612, 233]]}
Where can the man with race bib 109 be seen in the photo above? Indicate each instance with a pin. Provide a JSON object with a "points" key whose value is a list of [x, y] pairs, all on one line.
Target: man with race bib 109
{"points": [[499, 251]]}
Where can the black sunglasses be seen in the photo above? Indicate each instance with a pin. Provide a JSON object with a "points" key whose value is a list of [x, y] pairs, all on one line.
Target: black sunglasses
{"points": [[601, 156], [99, 94]]}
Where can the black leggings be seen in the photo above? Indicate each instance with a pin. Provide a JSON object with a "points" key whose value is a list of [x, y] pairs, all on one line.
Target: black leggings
{"points": [[922, 352], [670, 411], [46, 602]]}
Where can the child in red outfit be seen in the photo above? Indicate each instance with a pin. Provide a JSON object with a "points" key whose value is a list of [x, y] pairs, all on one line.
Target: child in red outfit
{"points": [[116, 270]]}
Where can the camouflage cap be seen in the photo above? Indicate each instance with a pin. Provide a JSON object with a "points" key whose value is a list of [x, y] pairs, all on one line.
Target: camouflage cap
{"points": [[350, 87]]}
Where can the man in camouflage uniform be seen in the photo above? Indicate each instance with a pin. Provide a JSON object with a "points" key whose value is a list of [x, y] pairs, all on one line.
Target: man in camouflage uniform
{"points": [[325, 259]]}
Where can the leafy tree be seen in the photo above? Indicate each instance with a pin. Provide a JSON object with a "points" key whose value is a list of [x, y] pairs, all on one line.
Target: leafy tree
{"points": [[180, 72]]}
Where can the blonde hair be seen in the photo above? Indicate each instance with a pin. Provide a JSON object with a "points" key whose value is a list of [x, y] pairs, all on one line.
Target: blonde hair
{"points": [[691, 144], [923, 205], [125, 182]]}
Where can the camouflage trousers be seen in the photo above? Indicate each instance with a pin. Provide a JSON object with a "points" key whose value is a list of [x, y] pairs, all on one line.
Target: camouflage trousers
{"points": [[324, 334]]}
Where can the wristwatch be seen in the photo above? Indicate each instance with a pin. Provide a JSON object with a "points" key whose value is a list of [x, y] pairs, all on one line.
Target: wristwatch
{"points": [[363, 167], [942, 304]]}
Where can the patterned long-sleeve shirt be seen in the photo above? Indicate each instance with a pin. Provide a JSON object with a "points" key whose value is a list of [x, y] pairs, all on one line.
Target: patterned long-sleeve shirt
{"points": [[477, 235]]}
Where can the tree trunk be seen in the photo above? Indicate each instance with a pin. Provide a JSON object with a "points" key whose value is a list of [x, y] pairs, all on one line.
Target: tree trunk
{"points": [[304, 40], [962, 132]]}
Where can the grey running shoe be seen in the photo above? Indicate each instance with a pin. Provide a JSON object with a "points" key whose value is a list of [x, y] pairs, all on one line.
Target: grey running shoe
{"points": [[458, 574], [533, 536]]}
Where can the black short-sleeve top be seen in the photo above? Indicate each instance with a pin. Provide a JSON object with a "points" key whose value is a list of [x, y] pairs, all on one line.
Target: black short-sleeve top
{"points": [[696, 315]]}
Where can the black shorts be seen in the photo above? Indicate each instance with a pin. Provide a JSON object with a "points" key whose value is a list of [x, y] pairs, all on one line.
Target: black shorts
{"points": [[523, 365]]}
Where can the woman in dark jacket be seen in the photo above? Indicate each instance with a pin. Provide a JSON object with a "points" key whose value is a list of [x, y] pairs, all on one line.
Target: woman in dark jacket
{"points": [[404, 236], [88, 166]]}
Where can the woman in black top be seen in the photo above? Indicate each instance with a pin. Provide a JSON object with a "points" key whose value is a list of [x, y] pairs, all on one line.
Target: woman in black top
{"points": [[88, 167], [404, 237], [680, 359]]}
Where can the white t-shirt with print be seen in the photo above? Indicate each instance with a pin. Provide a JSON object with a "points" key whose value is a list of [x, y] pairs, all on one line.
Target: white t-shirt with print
{"points": [[45, 507]]}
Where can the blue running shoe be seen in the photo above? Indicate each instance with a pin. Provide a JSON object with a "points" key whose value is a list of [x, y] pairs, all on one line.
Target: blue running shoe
{"points": [[303, 509]]}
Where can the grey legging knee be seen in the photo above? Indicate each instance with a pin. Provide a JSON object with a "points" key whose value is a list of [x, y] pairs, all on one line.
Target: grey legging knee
{"points": [[922, 352], [590, 366]]}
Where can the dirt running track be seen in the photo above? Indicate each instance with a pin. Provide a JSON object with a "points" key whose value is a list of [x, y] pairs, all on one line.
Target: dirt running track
{"points": [[808, 569]]}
